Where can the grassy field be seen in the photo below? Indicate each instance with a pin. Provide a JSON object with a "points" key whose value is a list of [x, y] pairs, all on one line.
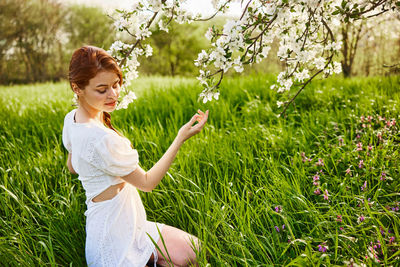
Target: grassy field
{"points": [[319, 187]]}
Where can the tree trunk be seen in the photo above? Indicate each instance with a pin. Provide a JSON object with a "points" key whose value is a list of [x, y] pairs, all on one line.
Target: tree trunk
{"points": [[346, 68]]}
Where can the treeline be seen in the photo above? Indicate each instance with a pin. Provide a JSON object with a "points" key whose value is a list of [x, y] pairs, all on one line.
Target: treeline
{"points": [[38, 37]]}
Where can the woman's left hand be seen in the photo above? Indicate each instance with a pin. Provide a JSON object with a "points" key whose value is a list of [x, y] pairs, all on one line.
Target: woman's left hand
{"points": [[188, 130]]}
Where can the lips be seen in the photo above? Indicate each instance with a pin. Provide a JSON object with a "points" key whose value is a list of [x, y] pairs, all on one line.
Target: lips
{"points": [[111, 103]]}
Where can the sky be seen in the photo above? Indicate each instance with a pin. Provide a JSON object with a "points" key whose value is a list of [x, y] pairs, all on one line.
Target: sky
{"points": [[202, 6]]}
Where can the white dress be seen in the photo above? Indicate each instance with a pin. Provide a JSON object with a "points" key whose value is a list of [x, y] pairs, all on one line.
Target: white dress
{"points": [[117, 231]]}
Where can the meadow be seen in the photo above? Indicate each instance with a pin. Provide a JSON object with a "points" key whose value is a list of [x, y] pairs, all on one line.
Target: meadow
{"points": [[319, 187]]}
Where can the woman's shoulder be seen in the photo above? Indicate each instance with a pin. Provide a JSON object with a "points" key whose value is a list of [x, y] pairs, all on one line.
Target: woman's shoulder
{"points": [[110, 136], [69, 115], [92, 131]]}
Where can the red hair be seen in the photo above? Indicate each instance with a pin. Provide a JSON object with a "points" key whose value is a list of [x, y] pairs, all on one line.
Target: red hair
{"points": [[85, 63]]}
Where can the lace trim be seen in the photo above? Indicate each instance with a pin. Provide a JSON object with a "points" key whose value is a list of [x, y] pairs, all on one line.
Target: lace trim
{"points": [[92, 158]]}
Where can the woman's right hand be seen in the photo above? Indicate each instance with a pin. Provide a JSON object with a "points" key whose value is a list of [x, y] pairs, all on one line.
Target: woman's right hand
{"points": [[187, 130]]}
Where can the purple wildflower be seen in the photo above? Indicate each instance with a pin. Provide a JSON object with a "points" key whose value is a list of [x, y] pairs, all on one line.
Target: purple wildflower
{"points": [[364, 186], [361, 164], [326, 196], [304, 158], [359, 146], [317, 191], [341, 141], [320, 162], [277, 228], [382, 230], [321, 248]]}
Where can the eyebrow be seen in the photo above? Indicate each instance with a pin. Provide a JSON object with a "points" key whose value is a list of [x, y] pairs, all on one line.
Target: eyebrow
{"points": [[100, 85]]}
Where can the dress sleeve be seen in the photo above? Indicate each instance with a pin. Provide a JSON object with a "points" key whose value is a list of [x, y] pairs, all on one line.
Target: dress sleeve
{"points": [[115, 156], [65, 137]]}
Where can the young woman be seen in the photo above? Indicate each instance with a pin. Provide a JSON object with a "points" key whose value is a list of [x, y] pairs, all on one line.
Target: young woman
{"points": [[117, 231]]}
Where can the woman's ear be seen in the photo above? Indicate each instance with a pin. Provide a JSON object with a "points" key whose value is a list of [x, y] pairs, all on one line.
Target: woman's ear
{"points": [[76, 89]]}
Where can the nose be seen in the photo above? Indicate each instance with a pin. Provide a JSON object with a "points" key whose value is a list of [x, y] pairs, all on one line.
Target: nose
{"points": [[114, 92]]}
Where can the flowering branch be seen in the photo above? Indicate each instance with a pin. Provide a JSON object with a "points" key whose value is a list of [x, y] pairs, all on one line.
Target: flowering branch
{"points": [[304, 28]]}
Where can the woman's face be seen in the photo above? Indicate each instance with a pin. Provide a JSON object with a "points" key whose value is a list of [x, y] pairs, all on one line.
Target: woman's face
{"points": [[102, 92]]}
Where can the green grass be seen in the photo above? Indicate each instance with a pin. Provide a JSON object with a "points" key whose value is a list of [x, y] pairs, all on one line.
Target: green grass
{"points": [[226, 181]]}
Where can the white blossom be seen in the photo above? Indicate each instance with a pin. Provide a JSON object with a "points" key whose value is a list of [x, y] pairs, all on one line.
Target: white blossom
{"points": [[319, 63], [207, 96], [162, 26], [127, 99], [121, 23], [238, 68], [301, 76], [201, 58], [148, 50], [337, 67], [209, 33], [75, 99]]}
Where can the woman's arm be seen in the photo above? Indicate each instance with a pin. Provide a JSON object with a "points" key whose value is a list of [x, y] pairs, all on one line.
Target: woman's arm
{"points": [[69, 164], [147, 181]]}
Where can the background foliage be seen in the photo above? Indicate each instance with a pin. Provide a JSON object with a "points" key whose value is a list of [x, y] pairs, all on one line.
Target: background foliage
{"points": [[231, 185]]}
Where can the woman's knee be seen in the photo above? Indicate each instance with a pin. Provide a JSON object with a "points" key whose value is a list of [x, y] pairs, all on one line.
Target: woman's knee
{"points": [[189, 247], [180, 246]]}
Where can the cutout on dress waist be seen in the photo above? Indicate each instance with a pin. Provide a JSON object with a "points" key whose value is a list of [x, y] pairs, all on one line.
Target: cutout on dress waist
{"points": [[108, 200]]}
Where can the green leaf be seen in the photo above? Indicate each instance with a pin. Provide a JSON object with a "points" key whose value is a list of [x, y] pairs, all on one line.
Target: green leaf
{"points": [[248, 41], [354, 15]]}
